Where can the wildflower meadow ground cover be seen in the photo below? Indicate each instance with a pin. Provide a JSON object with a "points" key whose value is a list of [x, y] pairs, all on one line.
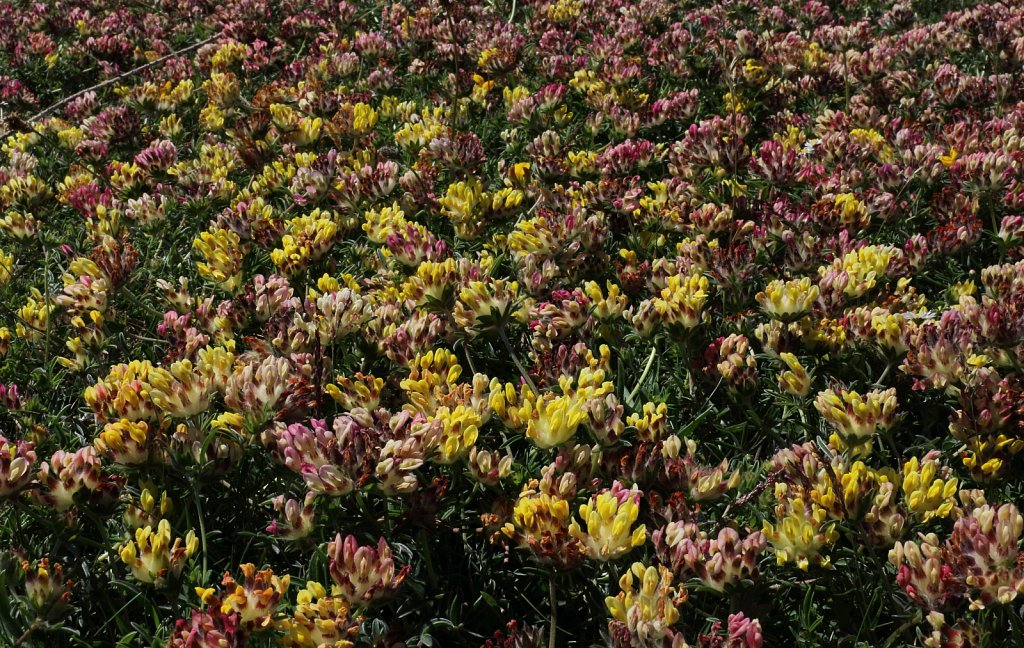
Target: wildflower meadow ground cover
{"points": [[511, 323]]}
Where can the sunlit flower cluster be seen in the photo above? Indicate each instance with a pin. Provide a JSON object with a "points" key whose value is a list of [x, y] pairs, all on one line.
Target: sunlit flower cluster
{"points": [[526, 323]]}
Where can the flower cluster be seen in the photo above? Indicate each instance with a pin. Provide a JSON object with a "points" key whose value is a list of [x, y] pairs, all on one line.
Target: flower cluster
{"points": [[153, 558], [466, 316]]}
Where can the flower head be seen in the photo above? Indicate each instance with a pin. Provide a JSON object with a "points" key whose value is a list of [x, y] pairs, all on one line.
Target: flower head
{"points": [[364, 573], [152, 555], [609, 517], [801, 530], [644, 615], [928, 487], [857, 418], [16, 459], [788, 300]]}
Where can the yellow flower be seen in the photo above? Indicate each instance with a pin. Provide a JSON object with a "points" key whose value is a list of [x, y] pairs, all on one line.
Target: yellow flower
{"points": [[228, 54], [433, 281], [609, 517], [123, 393], [856, 418], [986, 455], [223, 254], [460, 432], [298, 128], [652, 606], [306, 241], [383, 222], [70, 137], [735, 102], [170, 126], [829, 332], [679, 303], [754, 71], [550, 419], [928, 488], [20, 225], [433, 376], [515, 95], [318, 620], [959, 289], [562, 11], [255, 599], [889, 330], [364, 118], [503, 201], [464, 204], [581, 163], [481, 87], [212, 118], [124, 441], [185, 390], [683, 298], [553, 421], [419, 132], [863, 267], [852, 212], [34, 316], [786, 300], [606, 306], [519, 175], [125, 175], [795, 380], [872, 139], [228, 422], [17, 142], [801, 530], [531, 236], [361, 391], [540, 523], [153, 557], [484, 305], [652, 423], [222, 90], [948, 159], [486, 56]]}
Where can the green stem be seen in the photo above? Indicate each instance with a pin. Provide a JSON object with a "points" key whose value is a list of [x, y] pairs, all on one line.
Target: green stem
{"points": [[38, 623], [914, 620], [643, 375], [885, 374], [469, 358], [515, 359], [46, 304], [202, 527], [553, 599]]}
